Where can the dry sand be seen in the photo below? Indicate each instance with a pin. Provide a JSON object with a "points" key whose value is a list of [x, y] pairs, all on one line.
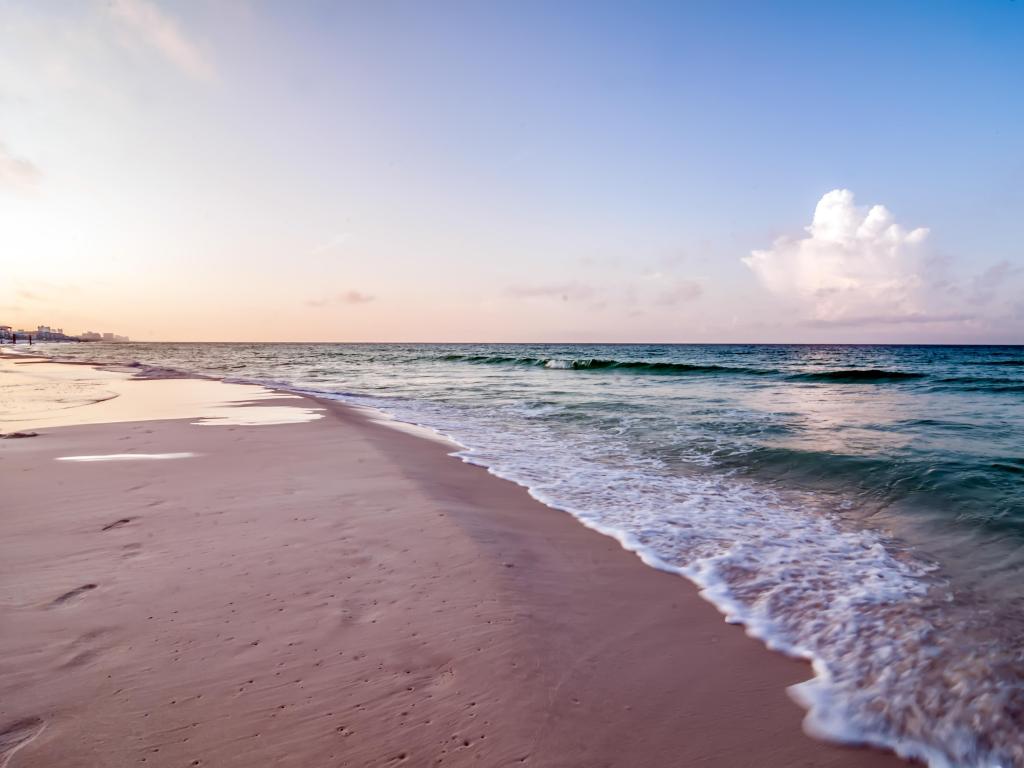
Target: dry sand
{"points": [[340, 593]]}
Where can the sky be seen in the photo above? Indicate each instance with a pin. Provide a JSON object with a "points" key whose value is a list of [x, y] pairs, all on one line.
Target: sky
{"points": [[237, 170]]}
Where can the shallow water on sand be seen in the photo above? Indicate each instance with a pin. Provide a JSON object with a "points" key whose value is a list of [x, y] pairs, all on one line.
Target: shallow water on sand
{"points": [[36, 394], [862, 506]]}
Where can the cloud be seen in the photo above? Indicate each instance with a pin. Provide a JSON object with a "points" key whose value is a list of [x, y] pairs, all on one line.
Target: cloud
{"points": [[348, 297], [915, 318], [653, 290], [17, 172], [333, 243], [679, 292], [983, 288], [155, 28], [570, 291], [855, 263]]}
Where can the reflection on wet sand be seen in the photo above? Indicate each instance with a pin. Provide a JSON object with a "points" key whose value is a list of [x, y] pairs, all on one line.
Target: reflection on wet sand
{"points": [[93, 396]]}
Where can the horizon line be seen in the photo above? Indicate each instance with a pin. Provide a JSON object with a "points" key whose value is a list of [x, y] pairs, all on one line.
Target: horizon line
{"points": [[576, 343]]}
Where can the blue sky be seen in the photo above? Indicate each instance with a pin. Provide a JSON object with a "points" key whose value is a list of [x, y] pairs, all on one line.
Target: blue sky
{"points": [[516, 171]]}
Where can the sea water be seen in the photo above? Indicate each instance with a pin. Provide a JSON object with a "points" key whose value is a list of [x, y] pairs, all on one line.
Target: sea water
{"points": [[858, 506]]}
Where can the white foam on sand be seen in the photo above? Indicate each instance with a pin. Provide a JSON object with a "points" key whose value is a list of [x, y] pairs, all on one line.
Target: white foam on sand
{"points": [[385, 419], [128, 457], [242, 416]]}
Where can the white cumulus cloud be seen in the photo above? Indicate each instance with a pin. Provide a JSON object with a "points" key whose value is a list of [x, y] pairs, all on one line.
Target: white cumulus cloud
{"points": [[853, 264]]}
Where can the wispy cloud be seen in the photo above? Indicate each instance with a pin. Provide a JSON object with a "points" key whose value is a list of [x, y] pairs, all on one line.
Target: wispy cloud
{"points": [[569, 291], [679, 292], [17, 172], [654, 290], [983, 288], [155, 28], [347, 297], [913, 318], [332, 244]]}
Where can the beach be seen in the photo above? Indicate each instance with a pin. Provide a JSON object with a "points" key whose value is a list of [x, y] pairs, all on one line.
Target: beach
{"points": [[499, 384], [320, 589]]}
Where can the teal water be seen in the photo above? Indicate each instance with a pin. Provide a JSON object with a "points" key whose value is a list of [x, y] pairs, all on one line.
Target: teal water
{"points": [[862, 506]]}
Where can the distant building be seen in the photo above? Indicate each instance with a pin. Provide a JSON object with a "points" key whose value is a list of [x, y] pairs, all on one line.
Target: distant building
{"points": [[105, 336], [48, 333]]}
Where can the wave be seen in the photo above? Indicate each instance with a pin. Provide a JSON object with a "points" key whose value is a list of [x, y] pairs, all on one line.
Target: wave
{"points": [[857, 375], [603, 364], [491, 359], [967, 384], [1014, 466], [1017, 363], [640, 366], [982, 383], [668, 368], [971, 380]]}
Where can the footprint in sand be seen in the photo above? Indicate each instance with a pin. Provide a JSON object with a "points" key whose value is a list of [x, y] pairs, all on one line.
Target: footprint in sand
{"points": [[117, 523], [74, 594], [13, 736], [85, 649]]}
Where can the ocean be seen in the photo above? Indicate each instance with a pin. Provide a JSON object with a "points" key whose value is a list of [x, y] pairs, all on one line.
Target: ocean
{"points": [[858, 506]]}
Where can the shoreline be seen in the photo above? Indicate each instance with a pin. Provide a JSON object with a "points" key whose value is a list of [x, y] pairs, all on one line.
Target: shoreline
{"points": [[523, 632]]}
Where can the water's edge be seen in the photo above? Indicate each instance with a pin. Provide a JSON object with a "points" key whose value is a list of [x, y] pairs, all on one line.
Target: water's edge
{"points": [[837, 709], [710, 589]]}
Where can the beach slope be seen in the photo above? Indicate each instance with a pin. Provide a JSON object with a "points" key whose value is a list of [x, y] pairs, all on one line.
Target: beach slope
{"points": [[340, 593]]}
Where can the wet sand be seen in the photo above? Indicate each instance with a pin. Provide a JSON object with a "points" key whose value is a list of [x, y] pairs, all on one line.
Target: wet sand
{"points": [[38, 393], [341, 593]]}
